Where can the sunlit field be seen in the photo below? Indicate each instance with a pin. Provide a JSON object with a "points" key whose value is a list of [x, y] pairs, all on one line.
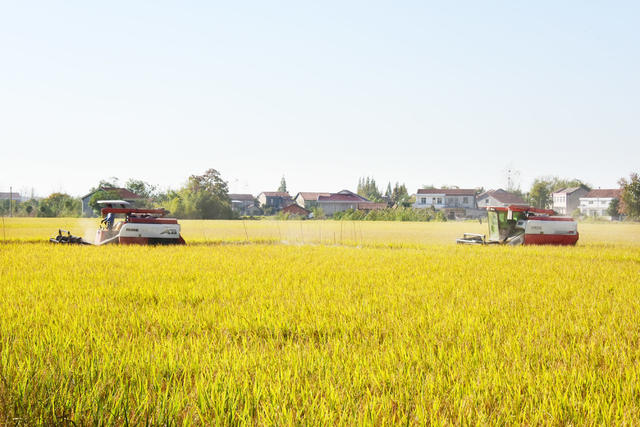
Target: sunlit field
{"points": [[319, 322]]}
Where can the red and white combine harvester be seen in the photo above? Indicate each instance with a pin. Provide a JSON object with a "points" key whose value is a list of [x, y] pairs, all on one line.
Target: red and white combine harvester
{"points": [[524, 225], [139, 226]]}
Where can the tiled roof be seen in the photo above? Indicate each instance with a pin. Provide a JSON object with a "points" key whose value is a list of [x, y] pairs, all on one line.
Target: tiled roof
{"points": [[599, 194], [311, 196], [248, 197], [506, 197], [337, 197], [7, 196], [122, 193], [568, 190], [276, 194], [448, 191], [296, 210]]}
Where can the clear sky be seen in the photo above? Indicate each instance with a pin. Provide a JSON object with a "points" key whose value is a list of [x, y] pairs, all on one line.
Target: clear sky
{"points": [[323, 92]]}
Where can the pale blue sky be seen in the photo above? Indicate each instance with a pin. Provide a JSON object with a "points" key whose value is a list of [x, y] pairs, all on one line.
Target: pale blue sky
{"points": [[322, 92]]}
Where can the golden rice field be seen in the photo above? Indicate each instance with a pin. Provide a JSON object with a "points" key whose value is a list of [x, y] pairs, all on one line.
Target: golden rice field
{"points": [[319, 323]]}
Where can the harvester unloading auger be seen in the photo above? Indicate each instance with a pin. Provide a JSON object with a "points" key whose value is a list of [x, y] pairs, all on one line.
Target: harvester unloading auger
{"points": [[140, 226], [525, 225]]}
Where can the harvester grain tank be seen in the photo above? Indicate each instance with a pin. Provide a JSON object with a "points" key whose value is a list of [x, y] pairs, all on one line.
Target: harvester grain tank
{"points": [[136, 226], [525, 225]]}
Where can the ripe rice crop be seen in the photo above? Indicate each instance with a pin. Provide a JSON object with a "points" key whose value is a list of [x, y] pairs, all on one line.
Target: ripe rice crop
{"points": [[395, 324]]}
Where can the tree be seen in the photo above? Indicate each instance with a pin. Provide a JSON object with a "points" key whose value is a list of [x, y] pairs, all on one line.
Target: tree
{"points": [[141, 188], [203, 197], [540, 194], [283, 185], [388, 192], [399, 194], [368, 189], [102, 195], [59, 205], [630, 196], [614, 208]]}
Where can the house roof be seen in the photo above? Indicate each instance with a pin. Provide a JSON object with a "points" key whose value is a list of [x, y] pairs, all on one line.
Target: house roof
{"points": [[601, 194], [311, 196], [503, 196], [568, 190], [248, 197], [7, 196], [122, 193], [276, 194], [338, 197], [448, 191], [296, 210]]}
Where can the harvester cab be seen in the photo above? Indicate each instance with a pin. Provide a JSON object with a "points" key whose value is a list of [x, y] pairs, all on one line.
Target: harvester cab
{"points": [[524, 225]]}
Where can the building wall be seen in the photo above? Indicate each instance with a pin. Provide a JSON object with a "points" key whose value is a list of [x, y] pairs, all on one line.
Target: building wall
{"points": [[593, 206], [441, 201], [329, 208]]}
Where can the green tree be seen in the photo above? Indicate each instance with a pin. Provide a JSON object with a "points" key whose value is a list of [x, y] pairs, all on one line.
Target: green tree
{"points": [[141, 188], [59, 205], [630, 196], [399, 194], [368, 189], [614, 208], [105, 194], [283, 185], [540, 194], [204, 197]]}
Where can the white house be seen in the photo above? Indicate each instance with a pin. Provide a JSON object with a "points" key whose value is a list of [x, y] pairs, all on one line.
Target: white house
{"points": [[499, 197], [445, 198], [596, 202], [566, 200]]}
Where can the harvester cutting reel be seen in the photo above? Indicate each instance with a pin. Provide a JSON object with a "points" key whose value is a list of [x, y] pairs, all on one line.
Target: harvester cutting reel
{"points": [[68, 238]]}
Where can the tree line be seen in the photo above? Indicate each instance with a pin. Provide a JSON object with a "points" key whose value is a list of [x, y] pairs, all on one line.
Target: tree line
{"points": [[206, 196]]}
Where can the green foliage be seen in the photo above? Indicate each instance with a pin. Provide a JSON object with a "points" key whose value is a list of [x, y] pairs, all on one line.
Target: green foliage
{"points": [[59, 205], [141, 188], [630, 196], [540, 194], [614, 208], [102, 195], [283, 185], [368, 189], [543, 187], [391, 214], [204, 197]]}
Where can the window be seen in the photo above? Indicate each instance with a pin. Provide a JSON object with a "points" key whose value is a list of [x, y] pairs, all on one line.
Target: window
{"points": [[423, 200], [590, 202], [439, 200], [465, 200]]}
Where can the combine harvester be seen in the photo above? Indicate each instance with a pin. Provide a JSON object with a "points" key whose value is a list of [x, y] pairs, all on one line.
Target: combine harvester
{"points": [[524, 225], [140, 226]]}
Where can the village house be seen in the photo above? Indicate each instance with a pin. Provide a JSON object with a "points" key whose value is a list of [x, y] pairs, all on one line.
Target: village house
{"points": [[596, 202], [16, 197], [456, 202], [274, 200], [307, 199], [119, 193], [345, 200], [498, 197], [244, 204], [296, 210], [567, 200]]}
